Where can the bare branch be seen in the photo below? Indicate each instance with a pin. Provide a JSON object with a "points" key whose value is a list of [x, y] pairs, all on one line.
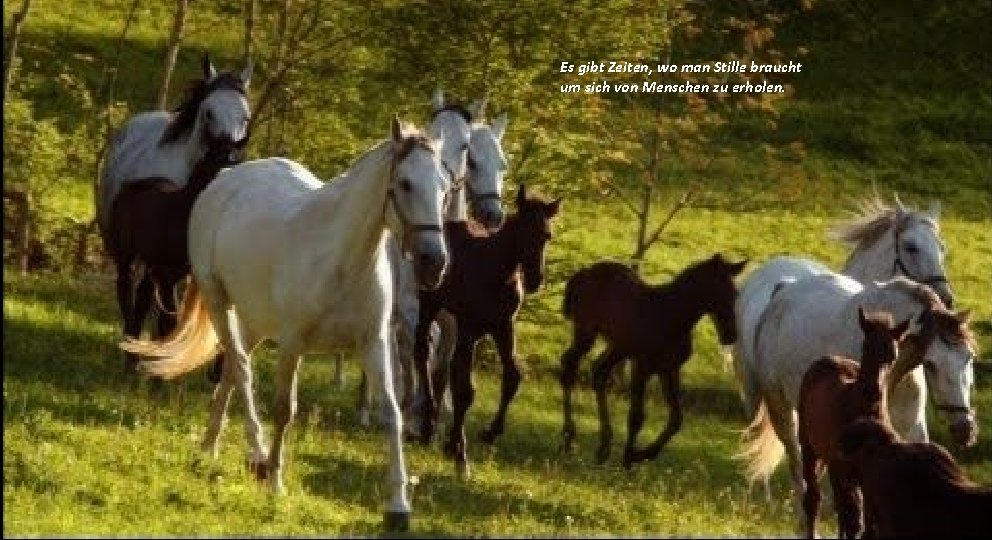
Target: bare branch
{"points": [[15, 35]]}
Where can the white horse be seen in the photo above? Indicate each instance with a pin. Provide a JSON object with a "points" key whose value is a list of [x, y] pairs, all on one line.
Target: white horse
{"points": [[888, 242], [816, 316], [167, 145], [482, 189], [277, 254]]}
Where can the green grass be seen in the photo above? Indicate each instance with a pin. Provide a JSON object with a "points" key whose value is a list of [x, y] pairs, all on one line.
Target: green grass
{"points": [[89, 451]]}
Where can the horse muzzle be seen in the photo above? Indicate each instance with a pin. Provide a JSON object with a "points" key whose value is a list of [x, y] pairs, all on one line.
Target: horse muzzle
{"points": [[490, 214], [429, 267], [964, 430]]}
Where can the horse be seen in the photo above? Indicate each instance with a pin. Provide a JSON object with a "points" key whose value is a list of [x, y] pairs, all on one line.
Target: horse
{"points": [[481, 164], [887, 242], [148, 223], [834, 392], [914, 490], [483, 291], [816, 316], [162, 151], [652, 324], [277, 254]]}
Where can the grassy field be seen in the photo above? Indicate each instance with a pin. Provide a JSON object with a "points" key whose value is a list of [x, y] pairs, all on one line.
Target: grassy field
{"points": [[89, 451]]}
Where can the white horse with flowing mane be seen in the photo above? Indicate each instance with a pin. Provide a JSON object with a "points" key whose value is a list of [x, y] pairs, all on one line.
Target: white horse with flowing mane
{"points": [[277, 254], [161, 144], [478, 183], [888, 242], [816, 316]]}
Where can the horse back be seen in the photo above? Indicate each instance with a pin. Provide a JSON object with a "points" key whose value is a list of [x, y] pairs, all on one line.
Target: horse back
{"points": [[608, 298]]}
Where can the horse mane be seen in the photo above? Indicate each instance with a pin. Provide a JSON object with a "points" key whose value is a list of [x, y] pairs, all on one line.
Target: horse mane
{"points": [[184, 116], [874, 219], [456, 108], [945, 324]]}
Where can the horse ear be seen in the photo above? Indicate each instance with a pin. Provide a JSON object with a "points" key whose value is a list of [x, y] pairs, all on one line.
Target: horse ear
{"points": [[899, 206], [737, 268], [437, 100], [396, 129], [934, 209], [963, 316], [900, 331], [246, 73], [499, 126], [478, 108], [521, 195], [209, 72], [551, 209]]}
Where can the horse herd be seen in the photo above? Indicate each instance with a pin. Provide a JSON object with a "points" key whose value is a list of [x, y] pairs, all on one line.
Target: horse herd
{"points": [[385, 260]]}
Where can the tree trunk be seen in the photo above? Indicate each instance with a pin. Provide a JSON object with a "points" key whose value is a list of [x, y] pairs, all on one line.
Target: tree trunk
{"points": [[15, 34], [175, 38], [251, 8], [19, 197]]}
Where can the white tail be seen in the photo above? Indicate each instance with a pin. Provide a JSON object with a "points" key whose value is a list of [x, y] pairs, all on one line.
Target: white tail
{"points": [[762, 451], [192, 344]]}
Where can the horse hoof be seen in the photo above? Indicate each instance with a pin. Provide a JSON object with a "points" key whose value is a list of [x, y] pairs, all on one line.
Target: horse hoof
{"points": [[449, 449], [259, 469], [602, 454], [488, 436], [397, 521]]}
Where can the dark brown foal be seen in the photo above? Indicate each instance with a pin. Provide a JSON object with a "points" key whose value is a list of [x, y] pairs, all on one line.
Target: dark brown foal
{"points": [[483, 289]]}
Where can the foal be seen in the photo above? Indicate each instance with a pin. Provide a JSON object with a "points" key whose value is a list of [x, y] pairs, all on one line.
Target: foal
{"points": [[914, 490], [148, 222], [483, 290], [835, 391], [651, 324]]}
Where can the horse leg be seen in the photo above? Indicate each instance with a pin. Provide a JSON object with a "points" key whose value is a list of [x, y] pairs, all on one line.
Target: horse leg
{"points": [[237, 344], [671, 387], [635, 417], [219, 402], [846, 501], [463, 394], [600, 381], [582, 341], [783, 421], [286, 379], [421, 356], [811, 496], [445, 330], [125, 301], [378, 368], [504, 338]]}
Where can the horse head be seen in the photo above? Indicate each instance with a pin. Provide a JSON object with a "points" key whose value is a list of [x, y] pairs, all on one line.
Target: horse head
{"points": [[417, 190], [716, 283], [533, 230]]}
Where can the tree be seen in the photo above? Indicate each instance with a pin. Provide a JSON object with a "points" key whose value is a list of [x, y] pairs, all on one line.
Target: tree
{"points": [[15, 35], [172, 50]]}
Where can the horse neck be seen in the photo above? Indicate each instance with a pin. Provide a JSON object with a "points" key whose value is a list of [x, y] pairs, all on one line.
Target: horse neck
{"points": [[457, 207], [351, 209], [870, 382], [505, 251], [680, 292], [875, 262]]}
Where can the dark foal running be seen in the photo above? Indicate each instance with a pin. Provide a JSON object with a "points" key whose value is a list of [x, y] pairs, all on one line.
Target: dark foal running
{"points": [[149, 224], [650, 324], [835, 391], [483, 290]]}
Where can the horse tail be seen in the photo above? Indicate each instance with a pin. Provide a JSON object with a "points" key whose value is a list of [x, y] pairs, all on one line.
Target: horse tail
{"points": [[193, 342], [568, 299], [762, 451]]}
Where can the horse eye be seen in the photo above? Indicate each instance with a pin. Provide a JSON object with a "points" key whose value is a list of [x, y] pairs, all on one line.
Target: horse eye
{"points": [[465, 147], [471, 163], [209, 115], [405, 185], [910, 247]]}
